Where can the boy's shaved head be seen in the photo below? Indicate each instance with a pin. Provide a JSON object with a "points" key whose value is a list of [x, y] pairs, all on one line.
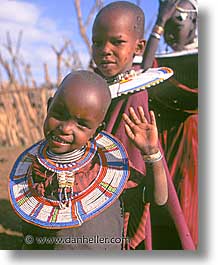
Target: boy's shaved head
{"points": [[130, 9]]}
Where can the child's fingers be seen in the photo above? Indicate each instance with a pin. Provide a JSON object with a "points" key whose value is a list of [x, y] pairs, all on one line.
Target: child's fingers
{"points": [[153, 119], [129, 132], [142, 114], [134, 117], [127, 120]]}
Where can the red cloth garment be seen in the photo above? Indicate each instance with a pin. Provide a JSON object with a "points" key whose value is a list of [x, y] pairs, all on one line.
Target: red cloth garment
{"points": [[175, 103], [181, 147], [189, 184], [115, 125]]}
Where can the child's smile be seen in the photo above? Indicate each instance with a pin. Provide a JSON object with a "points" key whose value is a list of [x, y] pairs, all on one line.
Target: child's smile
{"points": [[59, 141]]}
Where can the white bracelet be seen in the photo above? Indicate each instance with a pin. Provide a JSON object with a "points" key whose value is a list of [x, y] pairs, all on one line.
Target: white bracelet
{"points": [[153, 158], [155, 35]]}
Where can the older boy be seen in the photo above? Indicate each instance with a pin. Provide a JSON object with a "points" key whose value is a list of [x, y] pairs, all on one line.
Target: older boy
{"points": [[117, 37]]}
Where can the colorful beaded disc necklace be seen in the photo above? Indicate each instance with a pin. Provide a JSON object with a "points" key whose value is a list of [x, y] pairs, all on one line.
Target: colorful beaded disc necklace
{"points": [[103, 191]]}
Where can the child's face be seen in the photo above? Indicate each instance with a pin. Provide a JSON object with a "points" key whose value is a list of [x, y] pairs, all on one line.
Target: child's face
{"points": [[71, 120], [114, 43]]}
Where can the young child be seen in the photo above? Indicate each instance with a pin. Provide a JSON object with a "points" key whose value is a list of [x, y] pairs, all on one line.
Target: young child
{"points": [[117, 37], [66, 187]]}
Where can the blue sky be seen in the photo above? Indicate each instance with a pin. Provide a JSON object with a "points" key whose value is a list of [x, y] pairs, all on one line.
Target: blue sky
{"points": [[50, 22]]}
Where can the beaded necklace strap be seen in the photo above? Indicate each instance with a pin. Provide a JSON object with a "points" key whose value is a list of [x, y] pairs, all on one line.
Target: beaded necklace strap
{"points": [[121, 77]]}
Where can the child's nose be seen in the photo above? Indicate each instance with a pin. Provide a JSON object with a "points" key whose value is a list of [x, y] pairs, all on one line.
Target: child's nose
{"points": [[67, 127], [106, 49]]}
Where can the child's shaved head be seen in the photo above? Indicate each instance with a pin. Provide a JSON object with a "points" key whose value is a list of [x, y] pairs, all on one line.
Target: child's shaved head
{"points": [[132, 10], [87, 86]]}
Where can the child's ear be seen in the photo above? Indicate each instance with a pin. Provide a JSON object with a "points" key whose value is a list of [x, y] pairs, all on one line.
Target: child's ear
{"points": [[49, 103], [100, 128], [140, 47]]}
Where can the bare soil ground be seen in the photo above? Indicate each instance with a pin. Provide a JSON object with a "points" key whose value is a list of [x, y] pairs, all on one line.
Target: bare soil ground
{"points": [[10, 230]]}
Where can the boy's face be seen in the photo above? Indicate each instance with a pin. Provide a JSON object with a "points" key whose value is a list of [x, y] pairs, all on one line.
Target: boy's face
{"points": [[114, 43], [72, 119]]}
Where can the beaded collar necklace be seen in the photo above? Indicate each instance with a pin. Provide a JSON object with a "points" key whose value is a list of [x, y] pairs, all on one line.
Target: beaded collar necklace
{"points": [[103, 191], [68, 162], [67, 157], [65, 166], [121, 77], [133, 81]]}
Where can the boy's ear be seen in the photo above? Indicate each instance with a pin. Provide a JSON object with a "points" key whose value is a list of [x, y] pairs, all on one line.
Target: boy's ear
{"points": [[140, 47], [49, 103]]}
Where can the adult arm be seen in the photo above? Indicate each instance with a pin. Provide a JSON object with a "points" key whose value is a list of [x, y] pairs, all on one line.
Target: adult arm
{"points": [[166, 10]]}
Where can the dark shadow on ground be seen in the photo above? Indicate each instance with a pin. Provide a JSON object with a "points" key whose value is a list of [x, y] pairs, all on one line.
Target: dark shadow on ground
{"points": [[10, 227]]}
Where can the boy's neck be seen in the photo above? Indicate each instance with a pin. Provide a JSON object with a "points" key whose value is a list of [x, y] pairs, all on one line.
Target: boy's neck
{"points": [[121, 76], [113, 79]]}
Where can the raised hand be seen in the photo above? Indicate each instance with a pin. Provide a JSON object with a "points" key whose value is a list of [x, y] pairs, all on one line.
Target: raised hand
{"points": [[166, 10], [142, 133]]}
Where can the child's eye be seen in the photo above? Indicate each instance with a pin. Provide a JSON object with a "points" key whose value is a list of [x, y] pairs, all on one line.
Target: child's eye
{"points": [[118, 42], [96, 43], [82, 124], [60, 116]]}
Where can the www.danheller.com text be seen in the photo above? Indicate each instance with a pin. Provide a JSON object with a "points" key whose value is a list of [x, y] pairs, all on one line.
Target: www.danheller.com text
{"points": [[95, 239]]}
